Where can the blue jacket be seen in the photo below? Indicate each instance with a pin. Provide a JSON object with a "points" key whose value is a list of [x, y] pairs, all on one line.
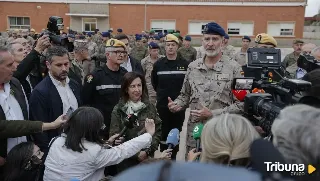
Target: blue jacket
{"points": [[46, 105]]}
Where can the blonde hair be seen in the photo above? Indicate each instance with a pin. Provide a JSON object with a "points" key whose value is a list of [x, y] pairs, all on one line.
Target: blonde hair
{"points": [[226, 139]]}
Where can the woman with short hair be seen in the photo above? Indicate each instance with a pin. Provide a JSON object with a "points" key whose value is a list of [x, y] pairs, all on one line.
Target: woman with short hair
{"points": [[134, 102], [81, 153], [226, 139]]}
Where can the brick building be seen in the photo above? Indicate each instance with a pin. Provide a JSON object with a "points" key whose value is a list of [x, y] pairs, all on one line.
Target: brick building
{"points": [[280, 18]]}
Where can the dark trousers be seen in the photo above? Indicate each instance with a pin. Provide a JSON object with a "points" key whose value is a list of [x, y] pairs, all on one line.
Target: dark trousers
{"points": [[170, 121]]}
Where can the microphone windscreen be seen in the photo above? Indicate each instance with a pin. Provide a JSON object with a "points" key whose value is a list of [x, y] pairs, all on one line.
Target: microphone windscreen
{"points": [[197, 131], [239, 94], [173, 137]]}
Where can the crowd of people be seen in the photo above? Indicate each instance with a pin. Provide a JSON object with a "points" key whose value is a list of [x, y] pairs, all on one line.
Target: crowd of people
{"points": [[97, 104]]}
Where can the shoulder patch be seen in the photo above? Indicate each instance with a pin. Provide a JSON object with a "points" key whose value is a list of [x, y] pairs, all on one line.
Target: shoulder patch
{"points": [[89, 78]]}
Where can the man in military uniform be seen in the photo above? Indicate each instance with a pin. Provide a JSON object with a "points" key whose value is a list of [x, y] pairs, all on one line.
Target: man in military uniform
{"points": [[295, 71], [187, 51], [167, 78], [100, 60], [241, 56], [228, 49], [139, 52], [147, 66], [92, 46], [207, 83], [292, 58], [101, 88]]}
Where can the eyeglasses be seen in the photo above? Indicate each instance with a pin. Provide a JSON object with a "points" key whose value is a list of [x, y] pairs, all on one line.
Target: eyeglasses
{"points": [[119, 52]]}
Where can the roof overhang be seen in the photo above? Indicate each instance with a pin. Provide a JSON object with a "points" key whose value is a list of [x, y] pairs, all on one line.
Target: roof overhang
{"points": [[172, 2], [87, 15]]}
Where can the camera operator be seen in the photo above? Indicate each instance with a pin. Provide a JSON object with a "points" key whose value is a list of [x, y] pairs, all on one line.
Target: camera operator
{"points": [[298, 72], [303, 146], [313, 94], [28, 67]]}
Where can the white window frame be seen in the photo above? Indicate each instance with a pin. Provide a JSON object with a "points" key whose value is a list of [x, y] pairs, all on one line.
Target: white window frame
{"points": [[238, 29], [84, 24], [201, 23], [283, 30], [158, 29], [17, 26]]}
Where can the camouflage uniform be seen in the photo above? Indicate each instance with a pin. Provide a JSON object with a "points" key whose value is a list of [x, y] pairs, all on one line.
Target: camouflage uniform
{"points": [[93, 49], [210, 88], [101, 54], [201, 52], [118, 118], [147, 66], [229, 51], [2, 41], [189, 54], [162, 50], [289, 60], [139, 53], [77, 69], [241, 58], [97, 39]]}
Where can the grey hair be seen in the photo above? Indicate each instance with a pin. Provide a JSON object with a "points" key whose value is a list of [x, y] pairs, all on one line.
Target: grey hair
{"points": [[55, 51], [296, 134], [10, 47], [2, 49], [315, 50], [109, 49], [226, 138]]}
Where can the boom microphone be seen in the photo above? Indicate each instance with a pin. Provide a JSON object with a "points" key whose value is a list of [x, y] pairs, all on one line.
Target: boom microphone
{"points": [[173, 138]]}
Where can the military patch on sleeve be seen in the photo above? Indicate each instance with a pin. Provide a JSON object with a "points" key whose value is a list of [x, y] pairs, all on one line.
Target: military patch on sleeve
{"points": [[89, 78]]}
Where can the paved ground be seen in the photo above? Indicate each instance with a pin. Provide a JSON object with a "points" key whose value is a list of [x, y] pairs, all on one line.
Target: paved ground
{"points": [[183, 134]]}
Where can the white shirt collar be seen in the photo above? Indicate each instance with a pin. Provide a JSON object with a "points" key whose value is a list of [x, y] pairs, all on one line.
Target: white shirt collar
{"points": [[57, 82]]}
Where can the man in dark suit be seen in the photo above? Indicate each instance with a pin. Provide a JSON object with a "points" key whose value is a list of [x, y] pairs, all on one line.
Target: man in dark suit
{"points": [[54, 95]]}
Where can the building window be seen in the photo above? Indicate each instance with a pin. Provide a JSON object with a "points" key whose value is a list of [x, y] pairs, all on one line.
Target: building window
{"points": [[196, 27], [89, 24], [163, 25], [240, 28], [281, 28], [19, 22]]}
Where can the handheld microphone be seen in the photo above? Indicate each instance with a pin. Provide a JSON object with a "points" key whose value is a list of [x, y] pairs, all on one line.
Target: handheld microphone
{"points": [[173, 138], [131, 121], [239, 94], [197, 135]]}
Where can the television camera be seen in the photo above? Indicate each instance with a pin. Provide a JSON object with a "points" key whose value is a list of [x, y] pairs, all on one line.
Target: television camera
{"points": [[263, 108], [55, 24]]}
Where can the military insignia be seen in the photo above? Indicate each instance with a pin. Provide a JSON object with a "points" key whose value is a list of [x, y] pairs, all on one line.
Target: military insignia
{"points": [[112, 42], [89, 78], [205, 29]]}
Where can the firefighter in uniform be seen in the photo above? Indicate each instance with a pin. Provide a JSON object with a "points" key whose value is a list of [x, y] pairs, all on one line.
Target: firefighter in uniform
{"points": [[167, 78], [101, 88]]}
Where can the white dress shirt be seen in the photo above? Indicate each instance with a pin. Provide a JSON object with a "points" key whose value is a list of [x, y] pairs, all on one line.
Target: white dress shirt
{"points": [[64, 164], [67, 97], [127, 65], [12, 111]]}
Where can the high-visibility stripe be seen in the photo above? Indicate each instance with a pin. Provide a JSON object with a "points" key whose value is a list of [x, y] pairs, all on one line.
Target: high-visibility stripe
{"points": [[171, 72], [108, 87]]}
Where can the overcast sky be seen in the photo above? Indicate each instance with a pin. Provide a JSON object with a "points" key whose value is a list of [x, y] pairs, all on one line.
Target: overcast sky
{"points": [[312, 8]]}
